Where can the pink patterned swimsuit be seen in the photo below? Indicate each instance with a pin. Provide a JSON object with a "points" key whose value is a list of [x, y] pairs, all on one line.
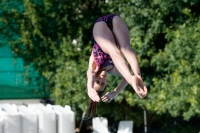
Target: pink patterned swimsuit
{"points": [[101, 58]]}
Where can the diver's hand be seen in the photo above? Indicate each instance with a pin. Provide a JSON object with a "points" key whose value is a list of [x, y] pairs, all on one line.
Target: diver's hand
{"points": [[93, 95], [109, 96]]}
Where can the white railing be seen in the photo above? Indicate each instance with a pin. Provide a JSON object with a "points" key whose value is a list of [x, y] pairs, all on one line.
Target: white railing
{"points": [[36, 118]]}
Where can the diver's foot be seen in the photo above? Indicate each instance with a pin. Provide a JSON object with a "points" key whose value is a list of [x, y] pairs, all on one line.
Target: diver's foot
{"points": [[138, 86]]}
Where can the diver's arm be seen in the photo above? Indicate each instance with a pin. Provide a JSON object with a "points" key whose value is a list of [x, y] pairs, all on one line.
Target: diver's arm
{"points": [[90, 81], [123, 82], [109, 96], [121, 86]]}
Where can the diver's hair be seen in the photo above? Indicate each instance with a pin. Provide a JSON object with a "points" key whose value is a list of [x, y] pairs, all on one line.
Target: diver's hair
{"points": [[91, 111]]}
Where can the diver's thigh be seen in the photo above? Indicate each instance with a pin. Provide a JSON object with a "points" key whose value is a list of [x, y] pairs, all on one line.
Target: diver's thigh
{"points": [[104, 38], [120, 31]]}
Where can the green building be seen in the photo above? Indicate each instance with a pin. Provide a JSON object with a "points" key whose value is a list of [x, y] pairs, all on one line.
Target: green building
{"points": [[18, 81]]}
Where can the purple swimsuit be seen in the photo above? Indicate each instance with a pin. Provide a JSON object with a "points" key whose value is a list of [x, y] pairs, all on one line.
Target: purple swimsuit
{"points": [[102, 59]]}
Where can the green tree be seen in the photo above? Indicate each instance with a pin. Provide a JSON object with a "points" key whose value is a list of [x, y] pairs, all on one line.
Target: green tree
{"points": [[165, 34]]}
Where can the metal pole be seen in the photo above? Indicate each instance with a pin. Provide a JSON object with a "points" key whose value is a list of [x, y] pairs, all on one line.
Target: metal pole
{"points": [[145, 121]]}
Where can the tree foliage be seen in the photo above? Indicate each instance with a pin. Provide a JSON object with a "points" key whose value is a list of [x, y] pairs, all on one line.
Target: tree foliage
{"points": [[56, 37], [165, 34]]}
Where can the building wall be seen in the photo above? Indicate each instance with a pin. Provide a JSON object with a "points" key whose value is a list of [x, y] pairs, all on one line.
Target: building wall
{"points": [[13, 84]]}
